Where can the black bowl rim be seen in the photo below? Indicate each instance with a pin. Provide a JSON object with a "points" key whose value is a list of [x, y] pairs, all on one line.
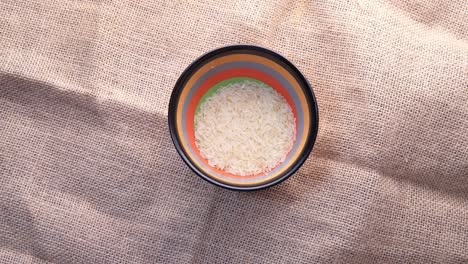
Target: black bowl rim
{"points": [[311, 99]]}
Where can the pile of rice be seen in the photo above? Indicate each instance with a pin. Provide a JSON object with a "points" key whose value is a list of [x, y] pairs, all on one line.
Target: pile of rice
{"points": [[245, 128]]}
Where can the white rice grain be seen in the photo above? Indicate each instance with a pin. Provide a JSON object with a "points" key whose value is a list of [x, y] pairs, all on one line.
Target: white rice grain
{"points": [[245, 128]]}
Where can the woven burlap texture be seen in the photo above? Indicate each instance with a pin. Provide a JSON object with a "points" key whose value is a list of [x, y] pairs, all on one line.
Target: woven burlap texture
{"points": [[88, 172]]}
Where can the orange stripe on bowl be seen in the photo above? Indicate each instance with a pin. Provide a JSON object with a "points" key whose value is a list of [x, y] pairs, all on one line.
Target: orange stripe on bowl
{"points": [[213, 80]]}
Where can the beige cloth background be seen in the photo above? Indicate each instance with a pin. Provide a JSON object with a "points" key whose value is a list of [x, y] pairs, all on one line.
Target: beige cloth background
{"points": [[89, 173]]}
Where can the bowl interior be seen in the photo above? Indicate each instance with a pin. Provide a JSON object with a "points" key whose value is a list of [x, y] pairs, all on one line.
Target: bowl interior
{"points": [[236, 64]]}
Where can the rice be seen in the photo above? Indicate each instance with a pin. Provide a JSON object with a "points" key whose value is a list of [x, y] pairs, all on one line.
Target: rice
{"points": [[245, 128]]}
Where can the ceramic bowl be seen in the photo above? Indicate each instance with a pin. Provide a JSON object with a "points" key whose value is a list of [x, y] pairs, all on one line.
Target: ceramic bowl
{"points": [[233, 64]]}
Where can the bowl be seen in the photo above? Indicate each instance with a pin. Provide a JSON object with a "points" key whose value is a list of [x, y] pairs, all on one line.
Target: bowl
{"points": [[231, 64]]}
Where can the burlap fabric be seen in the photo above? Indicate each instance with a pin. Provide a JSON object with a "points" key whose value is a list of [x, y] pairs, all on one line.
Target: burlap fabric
{"points": [[89, 173]]}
